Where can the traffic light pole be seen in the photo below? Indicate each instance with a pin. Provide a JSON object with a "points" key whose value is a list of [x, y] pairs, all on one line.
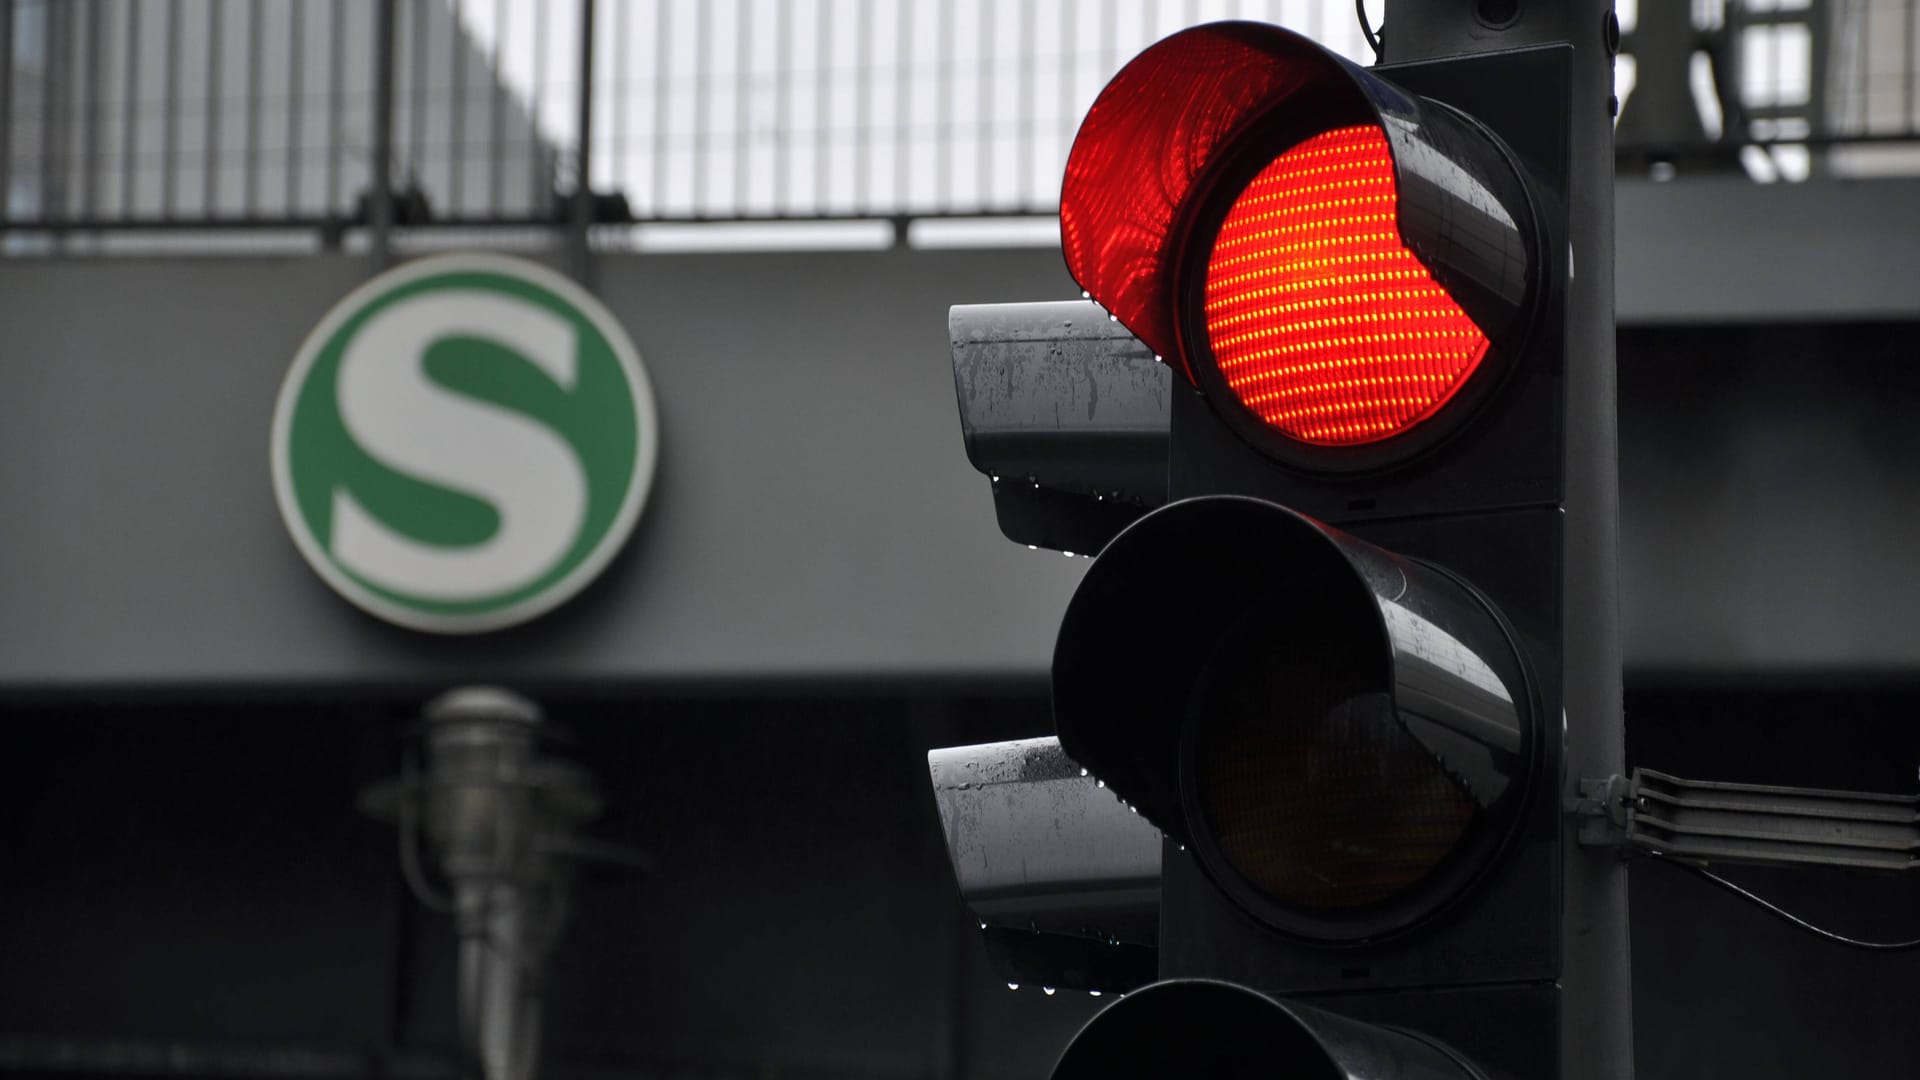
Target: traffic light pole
{"points": [[1596, 1026]]}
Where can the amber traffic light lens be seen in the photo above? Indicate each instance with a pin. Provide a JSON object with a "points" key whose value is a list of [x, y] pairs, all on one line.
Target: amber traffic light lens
{"points": [[1310, 787], [1320, 319]]}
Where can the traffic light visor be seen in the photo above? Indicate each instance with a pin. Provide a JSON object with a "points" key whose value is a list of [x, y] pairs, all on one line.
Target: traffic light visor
{"points": [[1342, 736], [1202, 1028]]}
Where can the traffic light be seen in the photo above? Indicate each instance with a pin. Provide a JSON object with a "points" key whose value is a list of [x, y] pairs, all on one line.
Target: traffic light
{"points": [[1356, 665]]}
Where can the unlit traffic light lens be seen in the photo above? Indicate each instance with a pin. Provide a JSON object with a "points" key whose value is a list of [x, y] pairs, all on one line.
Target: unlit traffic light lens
{"points": [[1319, 318], [1311, 787]]}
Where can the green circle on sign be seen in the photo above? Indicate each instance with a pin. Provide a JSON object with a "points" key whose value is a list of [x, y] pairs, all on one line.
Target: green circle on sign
{"points": [[463, 443]]}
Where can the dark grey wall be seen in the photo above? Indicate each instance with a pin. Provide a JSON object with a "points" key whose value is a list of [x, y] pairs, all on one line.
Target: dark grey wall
{"points": [[191, 876], [1770, 512], [1726, 250], [187, 892], [814, 515]]}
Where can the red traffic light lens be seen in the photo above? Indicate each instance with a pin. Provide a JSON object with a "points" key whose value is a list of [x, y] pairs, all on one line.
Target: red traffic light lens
{"points": [[1345, 306], [1320, 319]]}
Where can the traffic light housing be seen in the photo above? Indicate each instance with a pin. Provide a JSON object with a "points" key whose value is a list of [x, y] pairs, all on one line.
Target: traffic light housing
{"points": [[1340, 667]]}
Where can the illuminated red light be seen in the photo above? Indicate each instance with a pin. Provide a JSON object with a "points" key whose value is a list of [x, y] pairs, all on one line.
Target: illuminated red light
{"points": [[1319, 318]]}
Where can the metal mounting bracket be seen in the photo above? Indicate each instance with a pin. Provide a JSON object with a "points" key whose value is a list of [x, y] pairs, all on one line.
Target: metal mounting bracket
{"points": [[1708, 821], [1602, 810]]}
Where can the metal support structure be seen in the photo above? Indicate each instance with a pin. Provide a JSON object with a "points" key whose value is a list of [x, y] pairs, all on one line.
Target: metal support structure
{"points": [[380, 184], [336, 68], [1820, 28], [53, 111], [1596, 1015], [580, 219], [210, 167], [497, 114], [457, 110], [250, 154], [91, 117], [170, 117], [1752, 824], [6, 112], [296, 100], [130, 83], [1660, 111]]}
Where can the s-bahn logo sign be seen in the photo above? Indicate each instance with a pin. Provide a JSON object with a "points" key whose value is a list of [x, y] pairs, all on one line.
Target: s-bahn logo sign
{"points": [[463, 443]]}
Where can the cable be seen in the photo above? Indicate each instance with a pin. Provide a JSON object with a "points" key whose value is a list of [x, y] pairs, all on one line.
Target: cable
{"points": [[1780, 912], [1366, 28]]}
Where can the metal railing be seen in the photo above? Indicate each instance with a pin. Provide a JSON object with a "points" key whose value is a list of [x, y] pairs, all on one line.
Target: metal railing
{"points": [[333, 115], [1874, 93], [216, 114], [1785, 87], [213, 113]]}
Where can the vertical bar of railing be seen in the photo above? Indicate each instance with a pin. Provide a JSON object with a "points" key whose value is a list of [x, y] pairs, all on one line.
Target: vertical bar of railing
{"points": [[456, 108], [386, 17], [534, 102], [1820, 35], [782, 107], [53, 39], [617, 85], [1863, 67], [90, 120], [250, 154], [296, 97], [943, 110], [1067, 69], [863, 91], [535, 178], [1913, 17], [662, 27], [170, 106], [1109, 39], [1029, 61], [742, 98], [417, 91], [336, 70], [984, 127], [822, 143], [583, 167], [699, 80], [129, 108], [1779, 60], [496, 115], [6, 112], [210, 163], [903, 106]]}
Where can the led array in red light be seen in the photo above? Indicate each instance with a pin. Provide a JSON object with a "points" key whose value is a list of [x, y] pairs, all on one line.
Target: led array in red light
{"points": [[1319, 318]]}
